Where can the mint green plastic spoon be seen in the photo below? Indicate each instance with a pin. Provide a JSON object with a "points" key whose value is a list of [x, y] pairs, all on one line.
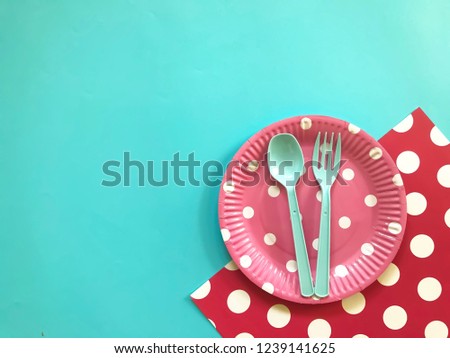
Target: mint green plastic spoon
{"points": [[286, 165]]}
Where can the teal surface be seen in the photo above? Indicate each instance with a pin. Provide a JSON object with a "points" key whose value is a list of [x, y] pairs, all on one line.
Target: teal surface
{"points": [[82, 82]]}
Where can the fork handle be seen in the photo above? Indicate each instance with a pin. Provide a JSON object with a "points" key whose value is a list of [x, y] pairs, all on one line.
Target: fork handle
{"points": [[303, 268], [323, 257]]}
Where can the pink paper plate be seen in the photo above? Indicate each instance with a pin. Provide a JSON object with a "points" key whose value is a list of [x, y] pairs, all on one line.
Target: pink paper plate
{"points": [[368, 211]]}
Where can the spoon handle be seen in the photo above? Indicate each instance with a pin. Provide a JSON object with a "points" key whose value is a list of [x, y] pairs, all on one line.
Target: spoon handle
{"points": [[323, 256], [304, 270]]}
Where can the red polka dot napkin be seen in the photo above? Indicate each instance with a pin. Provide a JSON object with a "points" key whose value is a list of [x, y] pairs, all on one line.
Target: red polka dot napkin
{"points": [[410, 299]]}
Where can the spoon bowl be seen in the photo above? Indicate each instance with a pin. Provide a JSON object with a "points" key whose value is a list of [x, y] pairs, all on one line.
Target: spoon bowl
{"points": [[286, 163]]}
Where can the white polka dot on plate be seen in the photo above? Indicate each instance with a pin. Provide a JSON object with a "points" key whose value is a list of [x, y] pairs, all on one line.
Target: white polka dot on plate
{"points": [[270, 239], [315, 244], [306, 123], [421, 246], [244, 335], [253, 165], [408, 162], [278, 316], [319, 328], [248, 212], [238, 301], [268, 287], [344, 222], [370, 200], [354, 304], [360, 335], [273, 191], [429, 289], [390, 276], [447, 218], [348, 174], [291, 266], [397, 180], [395, 317], [319, 196], [404, 125], [353, 129], [325, 147], [416, 203], [367, 249], [438, 138], [245, 261], [443, 176], [436, 329], [341, 271], [228, 187], [376, 153], [201, 292], [225, 234], [394, 228], [231, 266], [212, 322]]}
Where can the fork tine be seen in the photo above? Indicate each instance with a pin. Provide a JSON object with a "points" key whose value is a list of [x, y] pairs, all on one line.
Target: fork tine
{"points": [[337, 154], [330, 152], [316, 151], [324, 150]]}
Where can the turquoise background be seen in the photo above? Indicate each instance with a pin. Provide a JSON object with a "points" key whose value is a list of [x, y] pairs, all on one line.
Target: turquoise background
{"points": [[83, 81]]}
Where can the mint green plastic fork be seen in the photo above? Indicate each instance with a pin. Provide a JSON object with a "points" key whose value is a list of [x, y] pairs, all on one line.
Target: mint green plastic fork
{"points": [[325, 173], [286, 165]]}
